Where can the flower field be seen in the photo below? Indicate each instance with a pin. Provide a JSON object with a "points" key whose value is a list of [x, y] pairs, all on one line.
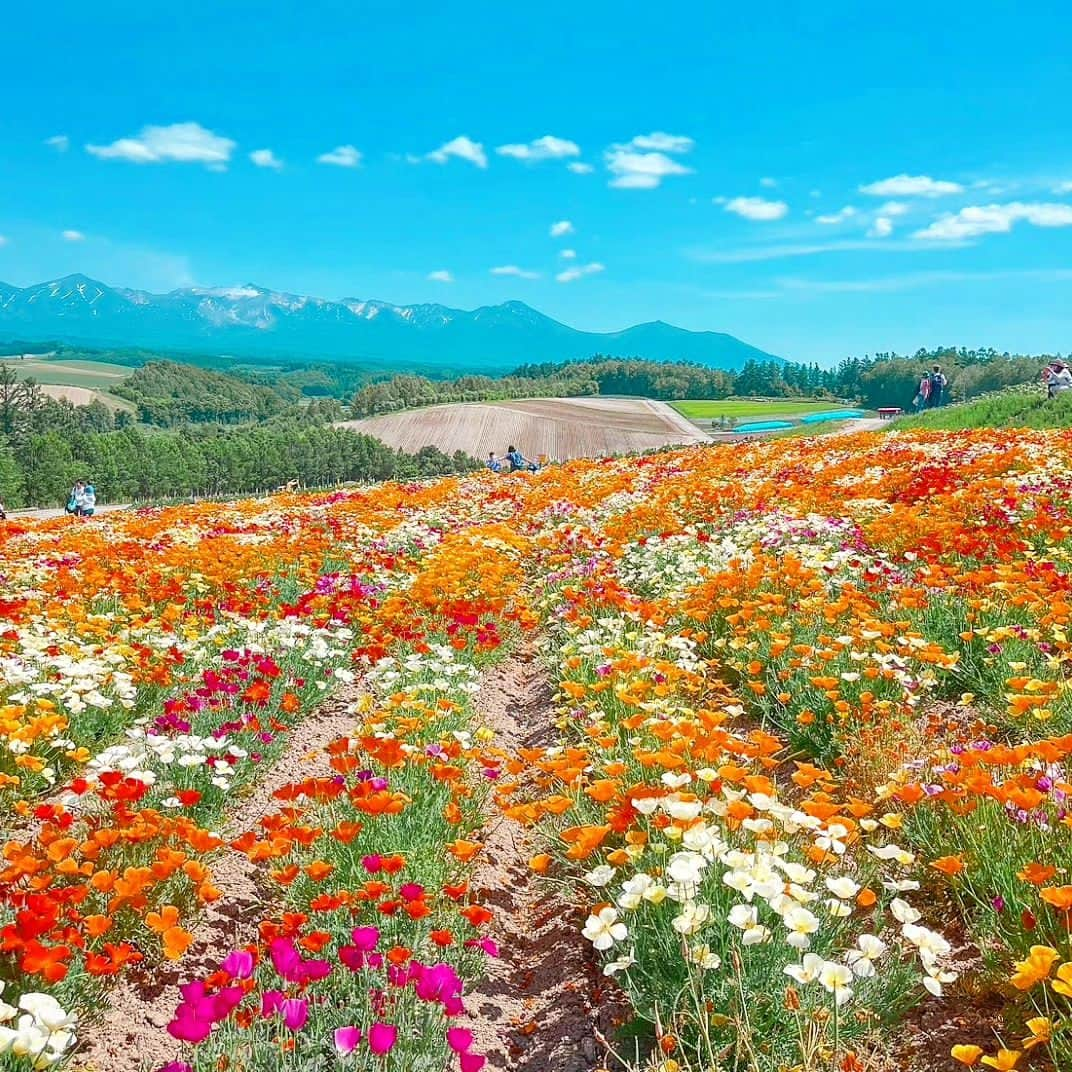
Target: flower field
{"points": [[800, 784]]}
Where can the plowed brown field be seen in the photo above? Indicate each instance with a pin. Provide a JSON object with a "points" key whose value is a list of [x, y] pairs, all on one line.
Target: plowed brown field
{"points": [[558, 428]]}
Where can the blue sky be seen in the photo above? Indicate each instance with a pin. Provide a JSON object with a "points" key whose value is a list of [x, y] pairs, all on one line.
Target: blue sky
{"points": [[818, 179]]}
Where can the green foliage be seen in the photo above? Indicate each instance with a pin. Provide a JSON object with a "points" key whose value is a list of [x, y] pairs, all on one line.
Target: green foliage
{"points": [[168, 394], [1023, 407]]}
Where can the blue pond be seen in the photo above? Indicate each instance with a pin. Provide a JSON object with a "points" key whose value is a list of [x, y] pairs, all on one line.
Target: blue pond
{"points": [[834, 415], [763, 426]]}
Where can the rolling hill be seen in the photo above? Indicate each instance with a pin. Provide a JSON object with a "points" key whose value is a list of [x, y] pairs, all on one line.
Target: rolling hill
{"points": [[254, 322]]}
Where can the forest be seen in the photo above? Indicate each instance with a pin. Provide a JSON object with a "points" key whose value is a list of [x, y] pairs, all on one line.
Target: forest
{"points": [[45, 445]]}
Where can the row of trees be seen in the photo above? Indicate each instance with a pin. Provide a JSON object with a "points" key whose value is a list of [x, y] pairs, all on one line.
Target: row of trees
{"points": [[46, 445], [884, 379]]}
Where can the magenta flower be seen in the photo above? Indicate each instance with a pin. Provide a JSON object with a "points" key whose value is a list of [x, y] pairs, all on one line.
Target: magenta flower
{"points": [[372, 864], [238, 964], [272, 1002], [411, 891], [459, 1039], [346, 1039], [295, 1013], [365, 938], [472, 1062], [382, 1038]]}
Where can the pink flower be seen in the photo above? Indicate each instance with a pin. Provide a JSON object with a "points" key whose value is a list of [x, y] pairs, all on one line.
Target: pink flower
{"points": [[487, 944], [286, 959], [346, 1039], [238, 964], [459, 1039], [372, 864], [382, 1038], [411, 891], [295, 1013], [271, 1002], [472, 1062], [365, 938]]}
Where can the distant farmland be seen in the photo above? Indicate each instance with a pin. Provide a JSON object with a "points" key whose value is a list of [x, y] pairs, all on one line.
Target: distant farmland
{"points": [[714, 408], [559, 428]]}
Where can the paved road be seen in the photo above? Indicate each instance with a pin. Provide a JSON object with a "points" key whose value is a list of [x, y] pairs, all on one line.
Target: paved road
{"points": [[45, 515]]}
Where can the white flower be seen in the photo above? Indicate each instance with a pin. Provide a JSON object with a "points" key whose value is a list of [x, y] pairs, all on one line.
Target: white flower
{"points": [[807, 971], [47, 1011], [843, 887], [800, 923], [743, 916], [930, 944], [686, 867], [903, 912], [600, 876], [603, 929], [682, 809], [755, 935], [835, 978], [645, 805], [621, 964], [862, 960], [693, 916], [837, 909], [702, 955]]}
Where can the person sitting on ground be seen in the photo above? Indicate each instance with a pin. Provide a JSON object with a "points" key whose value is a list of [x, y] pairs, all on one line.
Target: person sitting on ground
{"points": [[3, 512], [518, 461], [1057, 378], [937, 389], [88, 506], [493, 463]]}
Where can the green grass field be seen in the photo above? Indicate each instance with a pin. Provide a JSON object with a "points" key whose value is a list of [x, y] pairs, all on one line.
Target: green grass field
{"points": [[1017, 407], [713, 409], [95, 375]]}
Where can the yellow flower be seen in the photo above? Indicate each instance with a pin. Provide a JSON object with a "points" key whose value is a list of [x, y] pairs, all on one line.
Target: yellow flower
{"points": [[1041, 1028], [966, 1055], [1003, 1060], [1063, 983], [1035, 968]]}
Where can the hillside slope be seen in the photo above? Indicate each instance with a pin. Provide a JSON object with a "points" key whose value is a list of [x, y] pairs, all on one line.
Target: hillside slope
{"points": [[1018, 407]]}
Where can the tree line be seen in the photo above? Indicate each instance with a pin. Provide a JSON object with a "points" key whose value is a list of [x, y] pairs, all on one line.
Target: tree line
{"points": [[883, 379], [46, 445]]}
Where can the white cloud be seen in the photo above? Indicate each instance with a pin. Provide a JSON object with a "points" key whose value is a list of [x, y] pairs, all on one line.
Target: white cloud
{"points": [[546, 148], [757, 208], [881, 228], [265, 158], [640, 171], [578, 167], [782, 251], [560, 228], [768, 182], [893, 208], [975, 220], [840, 216], [1063, 188], [911, 186], [581, 270], [568, 254], [73, 236], [180, 143], [341, 156], [661, 142], [913, 280], [464, 149], [3, 240], [441, 276], [60, 142], [514, 270]]}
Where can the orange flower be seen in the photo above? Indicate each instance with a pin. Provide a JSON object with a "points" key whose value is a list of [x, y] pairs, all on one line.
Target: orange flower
{"points": [[949, 865], [1037, 873]]}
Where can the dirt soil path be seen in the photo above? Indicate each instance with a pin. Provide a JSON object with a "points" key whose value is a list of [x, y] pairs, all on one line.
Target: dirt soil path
{"points": [[539, 1008], [131, 1034]]}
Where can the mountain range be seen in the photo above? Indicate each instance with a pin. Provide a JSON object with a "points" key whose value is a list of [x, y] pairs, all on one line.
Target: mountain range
{"points": [[251, 321]]}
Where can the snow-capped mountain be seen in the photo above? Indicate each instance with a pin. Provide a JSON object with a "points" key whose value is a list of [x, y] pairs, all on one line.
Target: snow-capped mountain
{"points": [[252, 321]]}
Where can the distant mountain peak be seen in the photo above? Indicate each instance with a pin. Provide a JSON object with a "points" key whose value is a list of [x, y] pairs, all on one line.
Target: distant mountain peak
{"points": [[254, 321]]}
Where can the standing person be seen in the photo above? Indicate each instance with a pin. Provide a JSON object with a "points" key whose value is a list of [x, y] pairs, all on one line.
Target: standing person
{"points": [[937, 386], [74, 500], [89, 500], [1057, 378], [922, 392]]}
